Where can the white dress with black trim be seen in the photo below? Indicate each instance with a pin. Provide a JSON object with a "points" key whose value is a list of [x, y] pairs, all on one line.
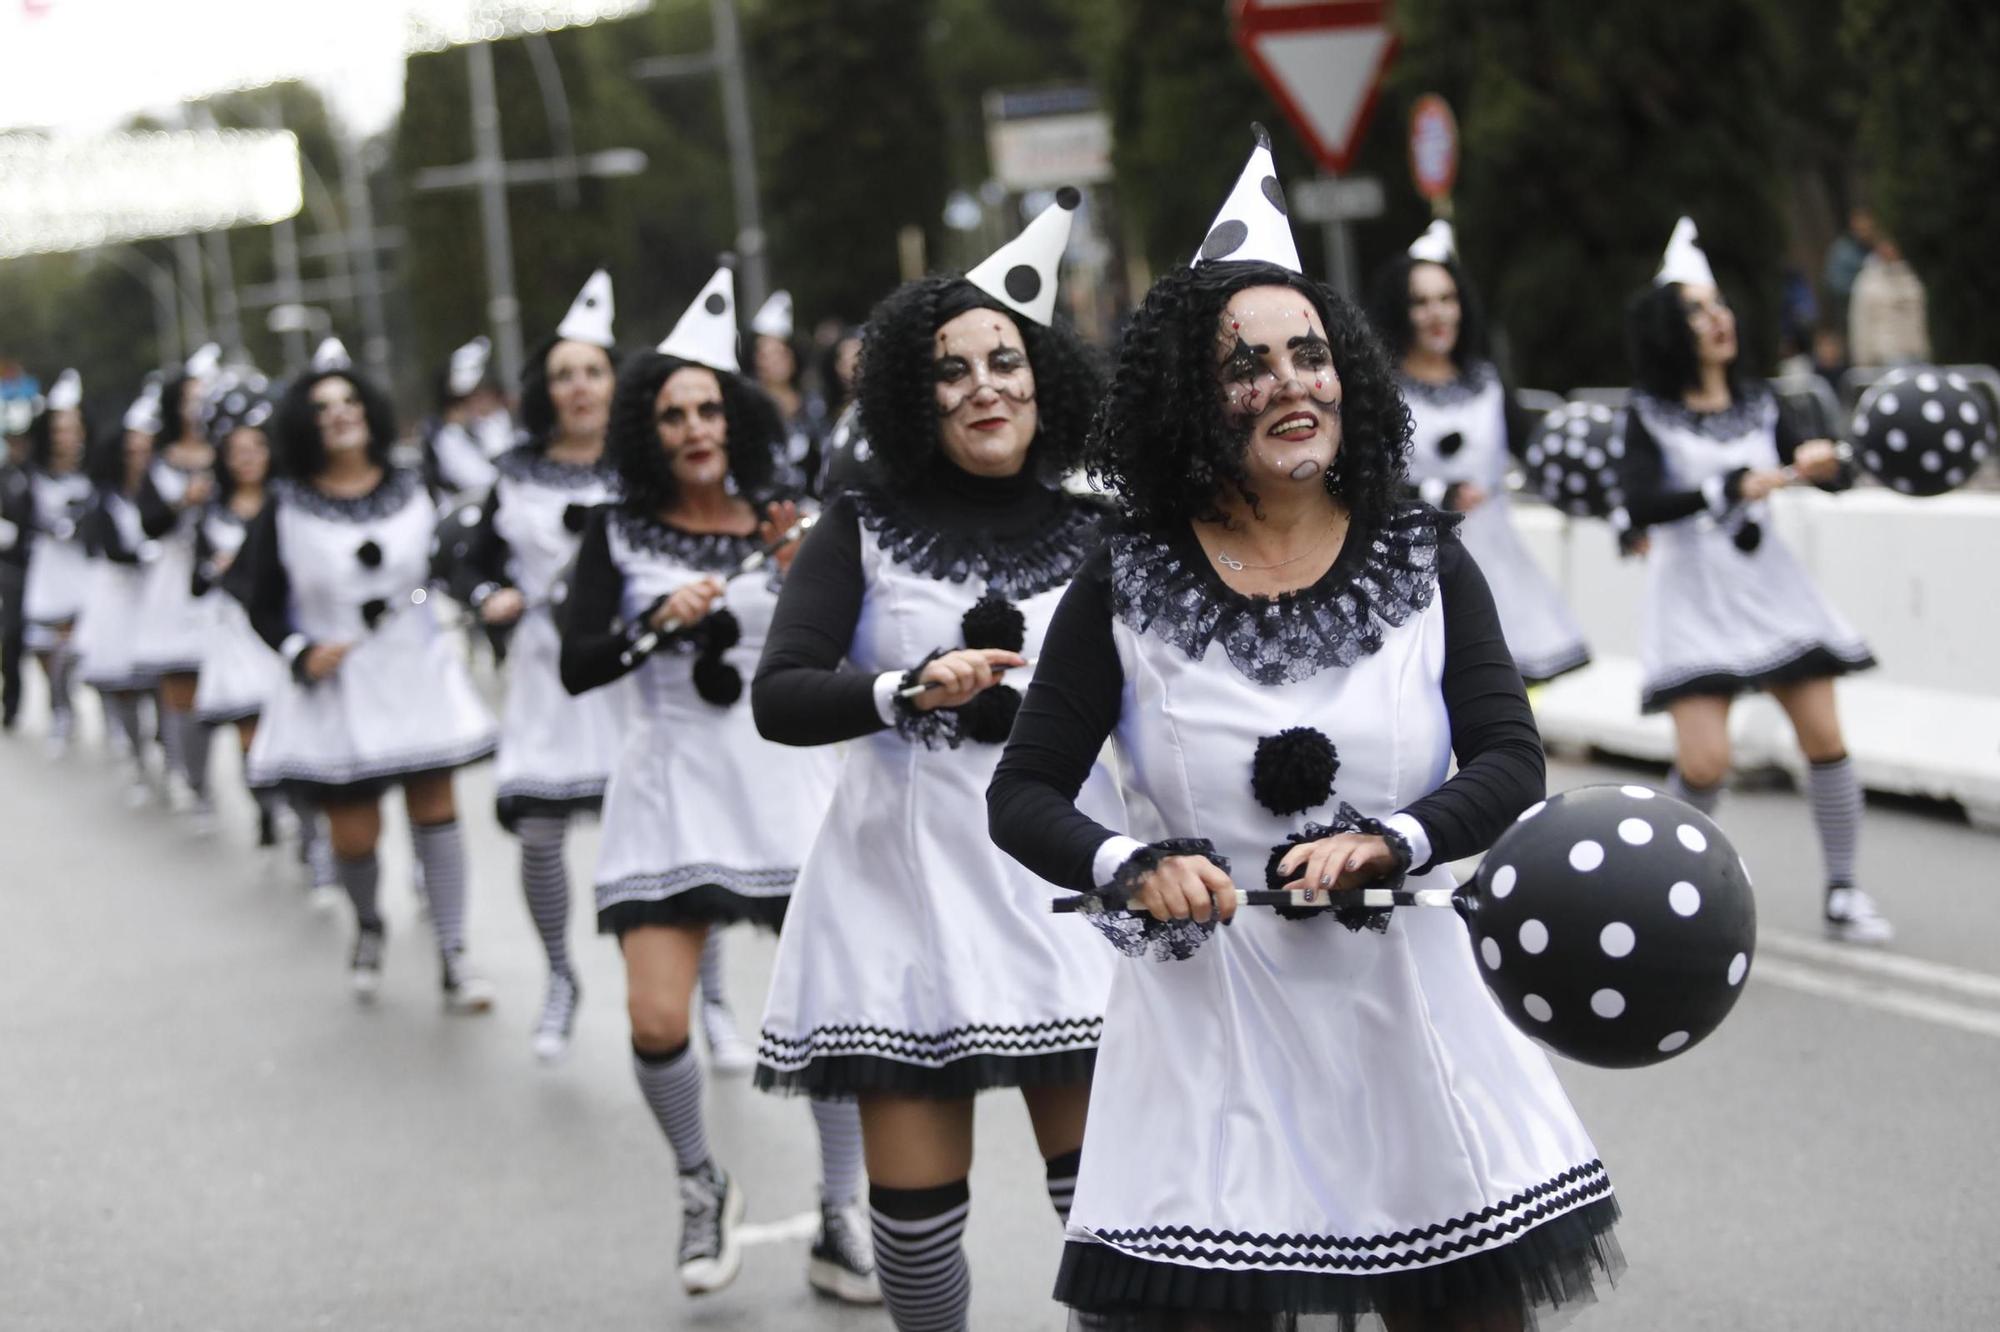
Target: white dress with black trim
{"points": [[174, 625], [107, 640], [556, 749], [1315, 1115], [1728, 606], [705, 821], [1462, 434], [316, 569], [918, 958], [239, 671], [59, 578]]}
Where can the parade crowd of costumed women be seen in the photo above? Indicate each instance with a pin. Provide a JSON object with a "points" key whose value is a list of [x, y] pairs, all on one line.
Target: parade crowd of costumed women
{"points": [[1104, 735]]}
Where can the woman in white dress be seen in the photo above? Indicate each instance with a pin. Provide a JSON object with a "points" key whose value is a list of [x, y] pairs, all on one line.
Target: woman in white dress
{"points": [[1729, 609], [1327, 1114], [1465, 430], [921, 966], [704, 820], [54, 588], [377, 695], [106, 642]]}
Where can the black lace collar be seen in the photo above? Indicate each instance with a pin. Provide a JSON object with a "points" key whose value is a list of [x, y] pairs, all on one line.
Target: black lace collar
{"points": [[1756, 409], [709, 552], [391, 496], [1015, 564], [1163, 584], [532, 464], [1474, 380]]}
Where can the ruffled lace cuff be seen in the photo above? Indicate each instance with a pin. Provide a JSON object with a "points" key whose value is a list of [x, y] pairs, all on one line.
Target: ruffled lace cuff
{"points": [[938, 727], [1142, 935], [1346, 819]]}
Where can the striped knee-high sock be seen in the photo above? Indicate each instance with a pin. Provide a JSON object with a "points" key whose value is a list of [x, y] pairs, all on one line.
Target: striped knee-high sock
{"points": [[441, 856], [711, 968], [123, 712], [360, 877], [1062, 1180], [839, 1126], [60, 667], [197, 739], [920, 1255], [315, 848], [545, 883], [173, 740], [671, 1083], [1836, 799], [1703, 798]]}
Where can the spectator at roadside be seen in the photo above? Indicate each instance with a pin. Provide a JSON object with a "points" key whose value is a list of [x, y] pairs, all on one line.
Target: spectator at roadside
{"points": [[1886, 321], [1844, 258]]}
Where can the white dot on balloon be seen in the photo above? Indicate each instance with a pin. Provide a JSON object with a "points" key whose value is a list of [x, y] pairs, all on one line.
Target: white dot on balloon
{"points": [[1532, 810], [1873, 459], [1600, 413], [1954, 440], [1579, 426], [1957, 381], [1489, 949], [1933, 411], [1534, 936], [1955, 476], [1586, 856], [1691, 837], [1503, 881], [1673, 1041], [1737, 966], [1635, 832], [1637, 792], [1887, 404], [1931, 460], [1860, 424], [1616, 448], [1898, 440], [1607, 1003], [1684, 898], [1927, 382], [1538, 1007], [1593, 458], [1616, 939], [1968, 413]]}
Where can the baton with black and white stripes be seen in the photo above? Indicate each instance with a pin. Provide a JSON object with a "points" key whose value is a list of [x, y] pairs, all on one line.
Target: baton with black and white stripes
{"points": [[649, 642], [1322, 899]]}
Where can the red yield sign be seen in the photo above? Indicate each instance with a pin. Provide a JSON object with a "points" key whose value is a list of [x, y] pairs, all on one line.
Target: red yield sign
{"points": [[1322, 63]]}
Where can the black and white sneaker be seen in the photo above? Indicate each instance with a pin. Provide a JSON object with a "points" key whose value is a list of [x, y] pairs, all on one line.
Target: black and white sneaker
{"points": [[465, 990], [558, 1021], [1853, 917], [842, 1264], [711, 1210], [364, 965]]}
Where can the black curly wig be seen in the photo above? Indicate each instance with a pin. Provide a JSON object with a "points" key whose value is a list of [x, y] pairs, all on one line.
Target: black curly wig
{"points": [[173, 415], [295, 425], [1666, 361], [1161, 440], [538, 409], [754, 430], [1389, 311], [41, 437], [894, 386]]}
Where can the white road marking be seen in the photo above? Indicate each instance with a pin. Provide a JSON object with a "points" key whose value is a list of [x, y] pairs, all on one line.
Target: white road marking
{"points": [[1805, 979], [801, 1227], [1890, 966]]}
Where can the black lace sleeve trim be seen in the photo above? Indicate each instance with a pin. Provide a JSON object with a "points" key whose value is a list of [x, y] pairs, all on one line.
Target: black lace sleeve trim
{"points": [[1017, 566], [391, 496], [709, 552], [1757, 409], [1346, 819], [1476, 379], [531, 464], [1165, 586], [929, 728], [1142, 935]]}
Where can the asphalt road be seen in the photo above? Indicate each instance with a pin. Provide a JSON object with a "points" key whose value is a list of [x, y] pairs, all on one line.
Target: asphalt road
{"points": [[199, 1129]]}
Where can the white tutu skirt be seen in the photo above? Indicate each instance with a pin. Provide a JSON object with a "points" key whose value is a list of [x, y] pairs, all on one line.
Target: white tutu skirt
{"points": [[402, 703], [58, 584], [556, 750], [239, 671], [106, 640], [920, 959], [705, 821], [1541, 633], [174, 624], [1302, 1119], [1720, 621]]}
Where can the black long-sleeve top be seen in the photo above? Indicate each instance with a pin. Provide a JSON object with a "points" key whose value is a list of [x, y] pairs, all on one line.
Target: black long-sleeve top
{"points": [[1074, 701], [100, 533], [596, 640], [1642, 473], [257, 578]]}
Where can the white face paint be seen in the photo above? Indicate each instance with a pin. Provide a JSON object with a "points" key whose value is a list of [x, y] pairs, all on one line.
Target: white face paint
{"points": [[337, 409], [985, 393], [1435, 313], [1712, 322], [693, 427], [1279, 384]]}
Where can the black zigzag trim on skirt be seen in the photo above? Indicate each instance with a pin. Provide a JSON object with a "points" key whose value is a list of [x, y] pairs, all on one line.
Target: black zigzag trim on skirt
{"points": [[1816, 662], [708, 904], [854, 1058], [843, 1077], [1546, 1262], [551, 802], [323, 785], [1551, 667]]}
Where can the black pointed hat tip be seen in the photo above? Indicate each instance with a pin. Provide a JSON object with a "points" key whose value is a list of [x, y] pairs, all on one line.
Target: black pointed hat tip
{"points": [[1263, 135], [1068, 197]]}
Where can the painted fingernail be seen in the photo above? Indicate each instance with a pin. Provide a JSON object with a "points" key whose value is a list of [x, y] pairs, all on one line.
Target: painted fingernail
{"points": [[1326, 881]]}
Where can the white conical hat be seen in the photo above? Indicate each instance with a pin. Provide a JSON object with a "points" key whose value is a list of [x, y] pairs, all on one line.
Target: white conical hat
{"points": [[468, 367], [774, 317], [144, 413], [706, 333], [1437, 245], [1022, 273], [66, 394], [206, 360], [1252, 224], [1684, 262], [589, 317], [331, 355]]}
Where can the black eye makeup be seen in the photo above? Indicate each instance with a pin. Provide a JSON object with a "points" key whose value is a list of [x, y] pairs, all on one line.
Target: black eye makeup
{"points": [[950, 369]]}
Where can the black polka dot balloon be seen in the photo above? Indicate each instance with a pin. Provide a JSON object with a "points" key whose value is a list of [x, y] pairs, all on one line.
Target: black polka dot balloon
{"points": [[1922, 430], [1572, 459], [1614, 924]]}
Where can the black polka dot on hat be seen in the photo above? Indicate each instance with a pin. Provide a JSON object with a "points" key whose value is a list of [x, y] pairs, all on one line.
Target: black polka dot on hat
{"points": [[1069, 197], [1225, 240], [1276, 194], [715, 304], [1023, 283]]}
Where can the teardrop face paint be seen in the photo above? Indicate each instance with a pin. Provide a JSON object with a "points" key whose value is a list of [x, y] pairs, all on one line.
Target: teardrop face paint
{"points": [[1279, 385]]}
